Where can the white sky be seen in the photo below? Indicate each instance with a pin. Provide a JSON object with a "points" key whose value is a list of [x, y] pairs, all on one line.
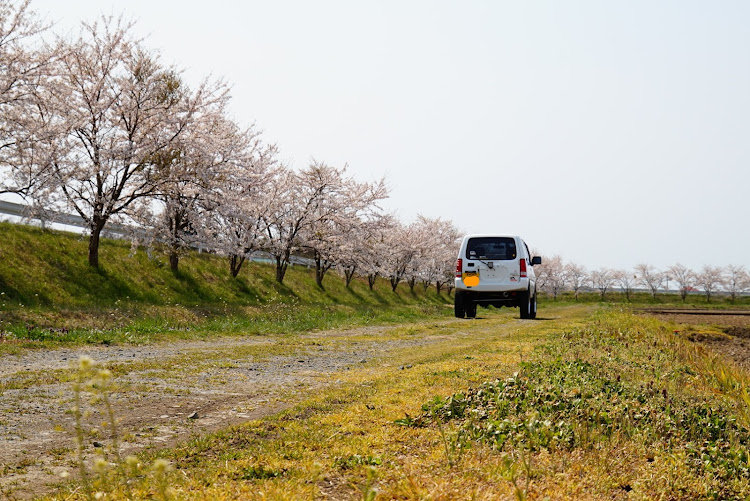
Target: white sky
{"points": [[611, 133]]}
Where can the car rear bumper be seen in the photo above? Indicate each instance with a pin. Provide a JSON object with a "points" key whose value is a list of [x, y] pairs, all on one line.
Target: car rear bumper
{"points": [[521, 285], [493, 297]]}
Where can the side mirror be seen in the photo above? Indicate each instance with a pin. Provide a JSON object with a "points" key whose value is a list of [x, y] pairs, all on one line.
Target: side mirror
{"points": [[536, 260]]}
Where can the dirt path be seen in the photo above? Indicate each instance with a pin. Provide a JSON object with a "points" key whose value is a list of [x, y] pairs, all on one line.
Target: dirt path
{"points": [[169, 392]]}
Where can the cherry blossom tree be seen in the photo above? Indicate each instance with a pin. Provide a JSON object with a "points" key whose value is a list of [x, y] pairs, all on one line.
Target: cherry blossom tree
{"points": [[304, 199], [684, 277], [19, 27], [122, 110], [375, 249], [736, 280], [354, 250], [649, 277], [338, 219], [439, 260], [626, 280], [709, 279], [240, 205], [402, 245], [436, 249], [24, 117], [207, 151], [551, 275], [603, 279], [447, 275], [576, 277]]}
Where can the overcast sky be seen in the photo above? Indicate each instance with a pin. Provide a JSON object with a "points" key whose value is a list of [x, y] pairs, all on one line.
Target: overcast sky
{"points": [[611, 133]]}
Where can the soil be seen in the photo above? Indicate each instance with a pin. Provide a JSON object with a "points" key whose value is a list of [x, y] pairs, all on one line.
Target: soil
{"points": [[725, 332], [194, 388]]}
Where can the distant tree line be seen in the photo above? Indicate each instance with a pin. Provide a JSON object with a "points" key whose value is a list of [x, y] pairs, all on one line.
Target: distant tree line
{"points": [[555, 276], [98, 125]]}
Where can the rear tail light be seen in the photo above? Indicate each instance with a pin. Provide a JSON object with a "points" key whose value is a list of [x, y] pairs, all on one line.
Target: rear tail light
{"points": [[523, 268], [459, 267]]}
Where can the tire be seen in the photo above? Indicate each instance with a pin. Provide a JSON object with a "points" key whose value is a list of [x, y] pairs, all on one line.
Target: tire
{"points": [[459, 305], [525, 305], [532, 313], [471, 309]]}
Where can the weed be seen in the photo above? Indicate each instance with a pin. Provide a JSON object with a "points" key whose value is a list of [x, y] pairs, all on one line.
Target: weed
{"points": [[258, 473], [621, 391], [354, 460], [369, 489], [100, 476], [160, 469]]}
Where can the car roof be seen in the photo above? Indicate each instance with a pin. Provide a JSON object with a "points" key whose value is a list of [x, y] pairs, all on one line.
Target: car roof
{"points": [[485, 235]]}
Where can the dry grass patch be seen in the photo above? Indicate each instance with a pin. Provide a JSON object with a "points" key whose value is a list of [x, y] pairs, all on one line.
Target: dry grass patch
{"points": [[343, 442], [594, 406]]}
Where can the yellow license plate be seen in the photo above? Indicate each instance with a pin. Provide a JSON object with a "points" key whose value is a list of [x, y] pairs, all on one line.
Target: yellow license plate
{"points": [[471, 278]]}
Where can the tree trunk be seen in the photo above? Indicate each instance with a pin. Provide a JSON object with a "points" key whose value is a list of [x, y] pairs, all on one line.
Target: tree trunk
{"points": [[371, 280], [235, 264], [174, 260], [96, 232], [438, 286], [175, 226], [319, 271], [282, 262], [349, 275], [94, 249], [394, 282], [412, 282]]}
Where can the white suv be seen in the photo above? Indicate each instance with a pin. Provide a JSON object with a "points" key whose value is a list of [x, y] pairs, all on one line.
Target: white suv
{"points": [[495, 270]]}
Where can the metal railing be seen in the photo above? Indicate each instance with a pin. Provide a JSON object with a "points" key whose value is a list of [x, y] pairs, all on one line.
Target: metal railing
{"points": [[24, 213]]}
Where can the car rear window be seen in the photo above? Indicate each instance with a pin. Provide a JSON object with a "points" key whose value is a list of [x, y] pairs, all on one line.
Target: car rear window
{"points": [[491, 248]]}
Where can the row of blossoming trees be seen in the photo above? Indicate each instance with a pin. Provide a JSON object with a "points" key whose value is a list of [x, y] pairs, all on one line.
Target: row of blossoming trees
{"points": [[96, 124], [555, 276]]}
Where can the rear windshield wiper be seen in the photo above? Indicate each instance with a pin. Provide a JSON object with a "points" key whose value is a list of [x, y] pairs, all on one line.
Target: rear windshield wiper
{"points": [[488, 264]]}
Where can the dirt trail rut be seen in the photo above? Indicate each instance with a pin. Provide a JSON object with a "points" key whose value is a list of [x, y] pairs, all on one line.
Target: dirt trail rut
{"points": [[166, 392]]}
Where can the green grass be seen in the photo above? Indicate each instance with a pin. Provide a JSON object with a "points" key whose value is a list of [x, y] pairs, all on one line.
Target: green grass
{"points": [[623, 385], [646, 300], [590, 401], [49, 295], [585, 405]]}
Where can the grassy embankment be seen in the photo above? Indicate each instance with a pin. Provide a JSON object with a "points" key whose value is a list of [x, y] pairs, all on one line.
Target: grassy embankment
{"points": [[585, 403], [49, 295]]}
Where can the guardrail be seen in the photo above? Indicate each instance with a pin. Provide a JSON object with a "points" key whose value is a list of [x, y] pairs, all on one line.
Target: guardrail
{"points": [[112, 230], [24, 212]]}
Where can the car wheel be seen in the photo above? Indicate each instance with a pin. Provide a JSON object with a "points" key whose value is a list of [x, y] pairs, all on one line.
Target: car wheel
{"points": [[459, 305], [532, 314], [471, 309], [525, 305]]}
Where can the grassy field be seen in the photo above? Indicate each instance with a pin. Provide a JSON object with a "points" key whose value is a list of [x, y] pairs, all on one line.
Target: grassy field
{"points": [[590, 401], [586, 403], [49, 296]]}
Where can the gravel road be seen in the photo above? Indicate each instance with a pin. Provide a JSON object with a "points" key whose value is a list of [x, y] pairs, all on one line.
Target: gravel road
{"points": [[168, 392]]}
